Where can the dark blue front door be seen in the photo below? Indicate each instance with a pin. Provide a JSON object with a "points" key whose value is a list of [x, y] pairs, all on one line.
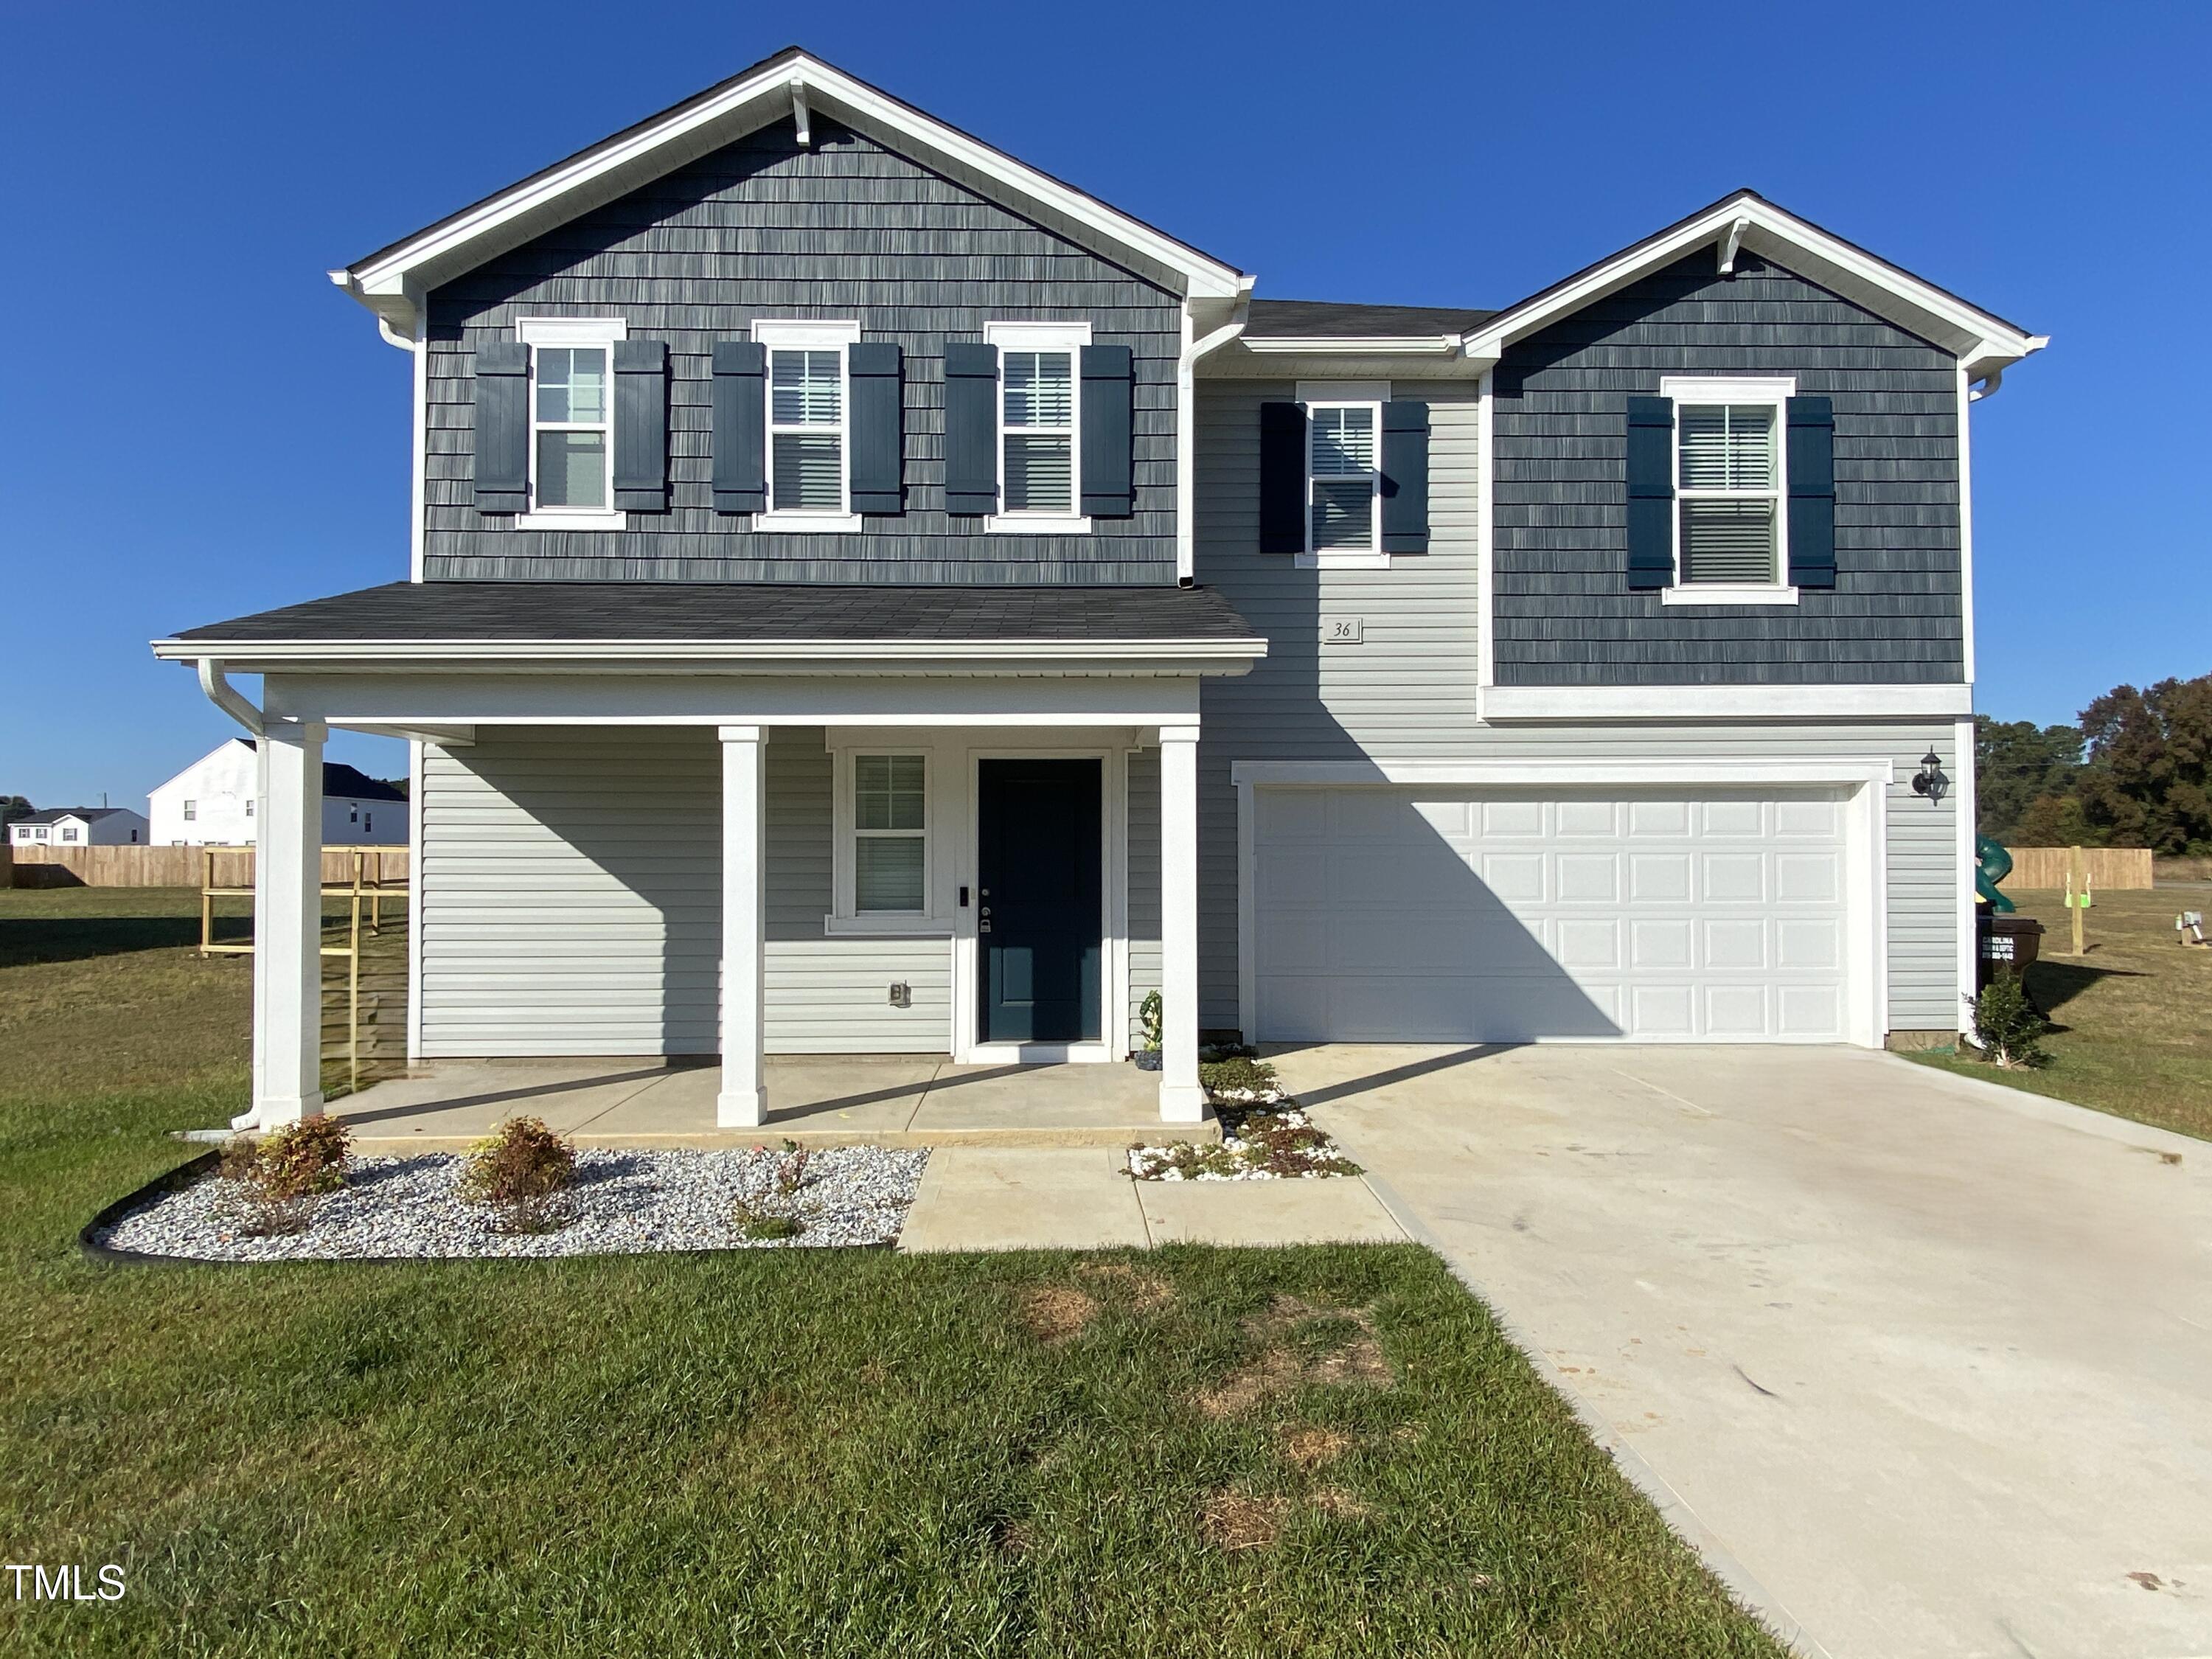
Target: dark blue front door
{"points": [[1038, 897]]}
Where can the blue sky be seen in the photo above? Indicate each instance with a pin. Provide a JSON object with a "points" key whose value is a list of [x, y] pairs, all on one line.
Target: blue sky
{"points": [[201, 426]]}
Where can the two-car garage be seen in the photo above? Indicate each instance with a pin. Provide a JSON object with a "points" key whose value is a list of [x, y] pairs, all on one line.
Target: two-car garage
{"points": [[1502, 914]]}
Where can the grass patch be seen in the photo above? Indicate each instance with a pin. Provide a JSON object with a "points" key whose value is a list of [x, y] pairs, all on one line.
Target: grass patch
{"points": [[808, 1454], [2133, 1016]]}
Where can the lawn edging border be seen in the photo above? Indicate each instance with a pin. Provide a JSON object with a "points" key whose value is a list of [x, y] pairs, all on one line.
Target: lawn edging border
{"points": [[1673, 1508], [193, 1168]]}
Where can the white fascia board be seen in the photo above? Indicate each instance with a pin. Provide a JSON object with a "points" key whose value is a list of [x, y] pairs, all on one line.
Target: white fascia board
{"points": [[1716, 770], [1971, 335], [852, 656], [606, 172], [1403, 345], [1677, 702]]}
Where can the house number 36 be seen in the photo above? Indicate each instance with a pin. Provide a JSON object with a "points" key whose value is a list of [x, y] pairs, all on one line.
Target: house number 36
{"points": [[1342, 630]]}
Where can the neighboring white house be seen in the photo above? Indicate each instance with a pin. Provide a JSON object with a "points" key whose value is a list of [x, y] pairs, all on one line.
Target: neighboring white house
{"points": [[210, 804], [79, 826]]}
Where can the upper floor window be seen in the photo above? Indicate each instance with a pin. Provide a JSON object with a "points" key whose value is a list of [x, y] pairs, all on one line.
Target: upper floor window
{"points": [[1344, 472], [571, 422], [192, 810], [1040, 419], [1730, 528], [808, 430]]}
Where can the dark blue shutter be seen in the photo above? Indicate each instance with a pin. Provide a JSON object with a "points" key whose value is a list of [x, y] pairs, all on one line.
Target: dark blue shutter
{"points": [[873, 371], [1811, 459], [740, 427], [1282, 478], [1108, 404], [641, 426], [971, 427], [1405, 477], [1650, 492], [503, 427]]}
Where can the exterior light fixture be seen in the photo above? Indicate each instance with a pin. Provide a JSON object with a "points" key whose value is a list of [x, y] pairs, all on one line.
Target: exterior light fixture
{"points": [[1930, 781]]}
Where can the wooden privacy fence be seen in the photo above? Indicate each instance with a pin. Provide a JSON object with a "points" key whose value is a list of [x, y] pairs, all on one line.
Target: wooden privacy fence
{"points": [[2112, 868], [181, 866]]}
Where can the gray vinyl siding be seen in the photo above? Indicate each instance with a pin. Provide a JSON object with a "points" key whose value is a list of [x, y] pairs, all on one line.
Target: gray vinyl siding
{"points": [[1144, 811], [846, 229], [1408, 689], [1564, 615], [572, 903], [1409, 693]]}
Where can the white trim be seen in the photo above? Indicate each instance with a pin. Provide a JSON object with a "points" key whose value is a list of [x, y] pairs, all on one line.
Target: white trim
{"points": [[1682, 592], [1966, 794], [780, 652], [1070, 337], [845, 914], [1866, 785], [1485, 535], [1670, 703], [418, 493], [590, 334], [1974, 335], [1774, 391], [415, 811], [1378, 345], [1345, 394], [838, 335], [1965, 533], [608, 170]]}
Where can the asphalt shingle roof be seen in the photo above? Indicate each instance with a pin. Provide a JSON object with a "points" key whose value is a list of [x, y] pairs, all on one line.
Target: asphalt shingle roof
{"points": [[511, 612], [1329, 319]]}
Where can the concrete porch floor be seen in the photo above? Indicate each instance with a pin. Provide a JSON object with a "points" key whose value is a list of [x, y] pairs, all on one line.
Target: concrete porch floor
{"points": [[824, 1100]]}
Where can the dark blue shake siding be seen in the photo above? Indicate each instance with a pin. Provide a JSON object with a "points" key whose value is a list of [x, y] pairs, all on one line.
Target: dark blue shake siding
{"points": [[764, 229], [1564, 615]]}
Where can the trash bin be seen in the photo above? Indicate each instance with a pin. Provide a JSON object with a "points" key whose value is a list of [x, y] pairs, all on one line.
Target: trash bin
{"points": [[2011, 941]]}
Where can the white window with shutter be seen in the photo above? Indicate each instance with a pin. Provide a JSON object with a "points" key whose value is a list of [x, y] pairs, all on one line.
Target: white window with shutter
{"points": [[809, 426], [1040, 427], [572, 449], [1730, 525], [1343, 473]]}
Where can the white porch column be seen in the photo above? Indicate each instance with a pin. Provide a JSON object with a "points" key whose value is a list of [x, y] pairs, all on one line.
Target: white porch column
{"points": [[744, 1102], [1181, 1099], [287, 927]]}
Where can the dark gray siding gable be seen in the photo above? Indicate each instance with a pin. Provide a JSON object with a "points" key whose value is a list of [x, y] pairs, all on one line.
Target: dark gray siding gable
{"points": [[765, 229], [1564, 614]]}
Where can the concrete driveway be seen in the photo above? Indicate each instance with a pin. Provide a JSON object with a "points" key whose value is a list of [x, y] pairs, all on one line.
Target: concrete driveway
{"points": [[1924, 1365]]}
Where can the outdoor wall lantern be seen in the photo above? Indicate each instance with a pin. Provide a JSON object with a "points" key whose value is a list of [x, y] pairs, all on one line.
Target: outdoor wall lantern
{"points": [[1930, 781]]}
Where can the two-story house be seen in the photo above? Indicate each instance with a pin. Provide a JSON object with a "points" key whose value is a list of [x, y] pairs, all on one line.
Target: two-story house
{"points": [[216, 802], [867, 595]]}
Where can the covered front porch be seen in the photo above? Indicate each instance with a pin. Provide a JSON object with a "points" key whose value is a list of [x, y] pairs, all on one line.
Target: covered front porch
{"points": [[878, 1100], [755, 835]]}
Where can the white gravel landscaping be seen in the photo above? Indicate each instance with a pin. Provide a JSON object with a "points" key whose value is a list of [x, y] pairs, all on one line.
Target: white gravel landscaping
{"points": [[1266, 1143], [621, 1202]]}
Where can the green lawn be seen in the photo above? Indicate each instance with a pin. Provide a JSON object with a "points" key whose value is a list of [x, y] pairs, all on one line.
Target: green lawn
{"points": [[1319, 1451], [2134, 1012]]}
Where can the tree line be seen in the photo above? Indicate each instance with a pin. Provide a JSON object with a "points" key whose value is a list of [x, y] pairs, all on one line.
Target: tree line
{"points": [[2132, 773]]}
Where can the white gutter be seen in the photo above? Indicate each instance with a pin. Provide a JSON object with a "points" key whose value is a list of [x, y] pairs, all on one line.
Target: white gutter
{"points": [[225, 695], [336, 651], [1337, 346]]}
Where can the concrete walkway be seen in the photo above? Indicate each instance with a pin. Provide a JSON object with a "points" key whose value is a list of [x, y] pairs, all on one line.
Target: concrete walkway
{"points": [[1924, 1365], [994, 1198], [921, 1100]]}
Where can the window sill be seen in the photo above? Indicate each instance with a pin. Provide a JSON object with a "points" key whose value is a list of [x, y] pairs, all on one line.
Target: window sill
{"points": [[819, 524], [1343, 559], [888, 924], [559, 520], [1036, 524], [1726, 594]]}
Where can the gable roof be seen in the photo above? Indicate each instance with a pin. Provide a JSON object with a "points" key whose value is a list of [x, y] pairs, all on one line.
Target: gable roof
{"points": [[790, 84], [1984, 344], [351, 783], [55, 814]]}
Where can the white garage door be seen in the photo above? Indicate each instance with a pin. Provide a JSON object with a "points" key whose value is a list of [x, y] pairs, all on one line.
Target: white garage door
{"points": [[1425, 915]]}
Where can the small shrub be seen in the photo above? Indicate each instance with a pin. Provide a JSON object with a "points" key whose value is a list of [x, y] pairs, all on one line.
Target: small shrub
{"points": [[257, 1215], [300, 1161], [1152, 1018], [522, 1171], [791, 1171], [2008, 1025], [764, 1221]]}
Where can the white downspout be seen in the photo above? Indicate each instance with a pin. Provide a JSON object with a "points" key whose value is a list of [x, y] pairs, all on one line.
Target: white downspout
{"points": [[227, 697], [1186, 425]]}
